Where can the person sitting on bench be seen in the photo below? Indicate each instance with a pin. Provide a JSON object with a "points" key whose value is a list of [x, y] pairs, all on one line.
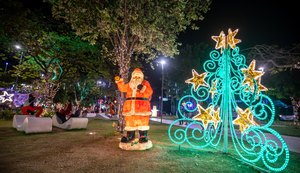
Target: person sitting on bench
{"points": [[30, 109], [64, 113]]}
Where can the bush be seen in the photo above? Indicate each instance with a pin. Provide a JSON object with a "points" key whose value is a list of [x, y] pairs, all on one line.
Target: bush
{"points": [[7, 114], [48, 113]]}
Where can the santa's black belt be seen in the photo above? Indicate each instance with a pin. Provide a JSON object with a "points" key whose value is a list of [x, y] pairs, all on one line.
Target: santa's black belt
{"points": [[136, 98]]}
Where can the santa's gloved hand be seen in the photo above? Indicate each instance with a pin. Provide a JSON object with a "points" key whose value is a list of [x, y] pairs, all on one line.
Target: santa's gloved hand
{"points": [[117, 78], [140, 86]]}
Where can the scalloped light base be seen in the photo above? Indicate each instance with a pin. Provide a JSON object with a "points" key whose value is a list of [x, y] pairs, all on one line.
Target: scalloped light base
{"points": [[135, 145]]}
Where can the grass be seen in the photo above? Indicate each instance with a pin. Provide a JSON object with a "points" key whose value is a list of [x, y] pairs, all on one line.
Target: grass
{"points": [[80, 151]]}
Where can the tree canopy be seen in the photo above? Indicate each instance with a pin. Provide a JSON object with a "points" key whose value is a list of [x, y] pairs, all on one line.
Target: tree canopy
{"points": [[51, 53], [132, 29]]}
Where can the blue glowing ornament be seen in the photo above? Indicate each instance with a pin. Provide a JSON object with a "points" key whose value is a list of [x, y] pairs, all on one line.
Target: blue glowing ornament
{"points": [[229, 87]]}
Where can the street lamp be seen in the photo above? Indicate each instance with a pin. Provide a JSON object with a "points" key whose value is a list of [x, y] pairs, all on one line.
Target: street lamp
{"points": [[18, 47], [261, 69], [5, 67], [162, 62], [99, 83]]}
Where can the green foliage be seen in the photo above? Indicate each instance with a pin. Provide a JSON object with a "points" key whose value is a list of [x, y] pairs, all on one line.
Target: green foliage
{"points": [[49, 113], [283, 85], [131, 28], [7, 114], [51, 54], [191, 56], [61, 96]]}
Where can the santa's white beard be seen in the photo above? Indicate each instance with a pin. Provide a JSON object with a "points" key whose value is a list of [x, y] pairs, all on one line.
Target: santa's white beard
{"points": [[133, 83]]}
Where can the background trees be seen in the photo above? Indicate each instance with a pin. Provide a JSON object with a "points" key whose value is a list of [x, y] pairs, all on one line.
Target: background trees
{"points": [[131, 29], [52, 54], [282, 66]]}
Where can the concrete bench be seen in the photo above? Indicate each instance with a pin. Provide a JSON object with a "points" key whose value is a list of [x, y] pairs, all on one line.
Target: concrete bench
{"points": [[37, 124], [18, 121], [72, 123], [90, 115], [32, 124]]}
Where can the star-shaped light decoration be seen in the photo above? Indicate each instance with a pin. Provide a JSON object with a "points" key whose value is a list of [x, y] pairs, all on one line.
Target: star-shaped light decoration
{"points": [[251, 74], [260, 86], [221, 41], [204, 115], [216, 118], [213, 89], [244, 119], [6, 97], [197, 80], [231, 41]]}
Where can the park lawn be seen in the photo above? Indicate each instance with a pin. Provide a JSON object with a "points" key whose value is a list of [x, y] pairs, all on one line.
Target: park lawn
{"points": [[83, 151]]}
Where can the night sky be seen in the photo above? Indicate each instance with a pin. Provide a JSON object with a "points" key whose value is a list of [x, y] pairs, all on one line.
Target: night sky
{"points": [[258, 21]]}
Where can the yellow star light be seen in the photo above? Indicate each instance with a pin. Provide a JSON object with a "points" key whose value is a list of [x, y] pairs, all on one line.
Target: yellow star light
{"points": [[204, 115], [231, 41], [260, 86], [251, 74], [197, 80], [244, 119], [216, 118], [221, 41], [213, 89]]}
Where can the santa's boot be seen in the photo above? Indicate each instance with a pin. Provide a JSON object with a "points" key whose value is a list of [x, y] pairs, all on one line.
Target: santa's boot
{"points": [[143, 136], [129, 137]]}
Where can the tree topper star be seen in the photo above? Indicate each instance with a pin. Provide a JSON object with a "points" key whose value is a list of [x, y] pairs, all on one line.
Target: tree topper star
{"points": [[231, 41], [221, 41], [6, 97], [197, 80]]}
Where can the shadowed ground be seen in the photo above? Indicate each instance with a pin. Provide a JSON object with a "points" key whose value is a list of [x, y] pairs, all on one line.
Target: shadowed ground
{"points": [[96, 150]]}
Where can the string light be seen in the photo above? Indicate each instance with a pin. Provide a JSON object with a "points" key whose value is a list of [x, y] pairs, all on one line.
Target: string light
{"points": [[235, 87]]}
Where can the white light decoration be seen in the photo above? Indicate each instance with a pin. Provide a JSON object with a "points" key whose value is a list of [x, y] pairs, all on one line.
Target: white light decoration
{"points": [[6, 97]]}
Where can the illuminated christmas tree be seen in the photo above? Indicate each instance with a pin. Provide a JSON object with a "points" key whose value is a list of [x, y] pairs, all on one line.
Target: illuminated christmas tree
{"points": [[226, 105]]}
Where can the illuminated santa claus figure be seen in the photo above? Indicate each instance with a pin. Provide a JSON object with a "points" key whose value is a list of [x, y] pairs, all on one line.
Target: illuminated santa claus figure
{"points": [[136, 109]]}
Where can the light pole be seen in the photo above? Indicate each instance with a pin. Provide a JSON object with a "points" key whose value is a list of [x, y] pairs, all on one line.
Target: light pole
{"points": [[18, 47], [162, 62], [5, 67]]}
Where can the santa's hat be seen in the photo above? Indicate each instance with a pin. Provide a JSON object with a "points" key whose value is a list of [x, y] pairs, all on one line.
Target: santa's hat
{"points": [[138, 72]]}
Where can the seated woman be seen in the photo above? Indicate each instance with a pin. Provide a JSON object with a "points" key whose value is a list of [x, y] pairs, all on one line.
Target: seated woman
{"points": [[64, 113], [30, 109]]}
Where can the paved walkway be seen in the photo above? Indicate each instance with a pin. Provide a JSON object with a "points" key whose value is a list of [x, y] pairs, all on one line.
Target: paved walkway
{"points": [[293, 143]]}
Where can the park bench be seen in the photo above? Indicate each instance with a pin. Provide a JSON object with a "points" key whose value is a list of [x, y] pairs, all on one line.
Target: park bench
{"points": [[18, 121], [72, 123], [32, 124], [91, 115]]}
